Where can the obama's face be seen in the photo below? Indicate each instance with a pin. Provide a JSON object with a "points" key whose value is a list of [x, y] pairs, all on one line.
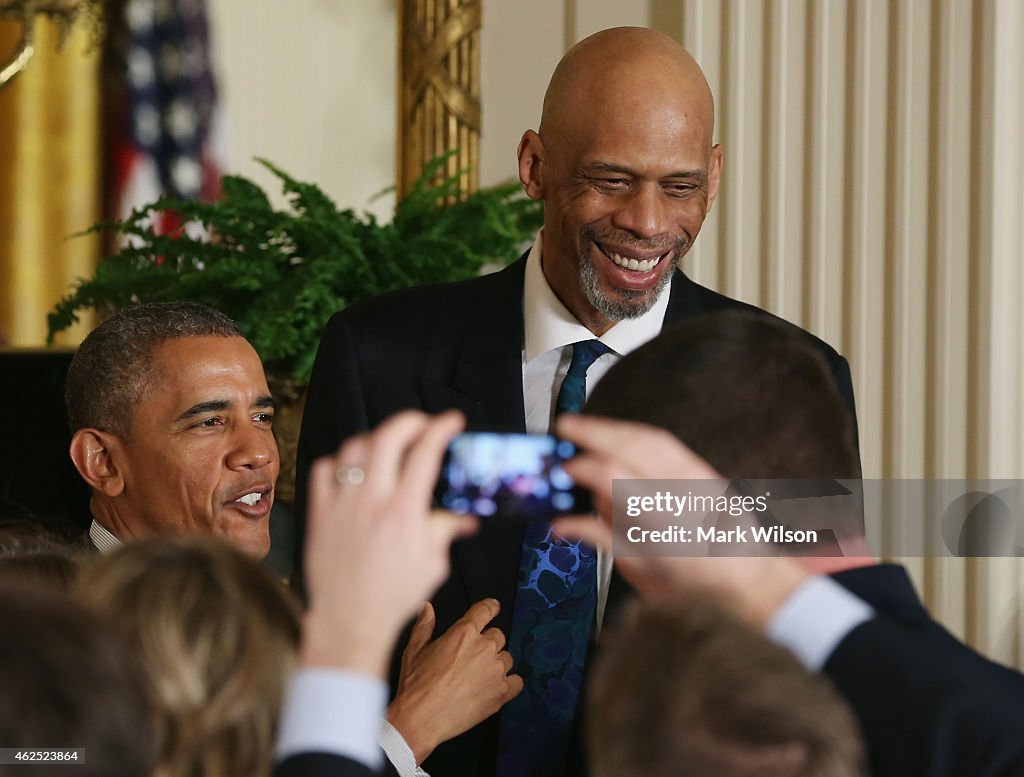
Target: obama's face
{"points": [[200, 456]]}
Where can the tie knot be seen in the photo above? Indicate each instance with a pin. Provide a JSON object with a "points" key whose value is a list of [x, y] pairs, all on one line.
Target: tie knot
{"points": [[585, 353], [573, 393]]}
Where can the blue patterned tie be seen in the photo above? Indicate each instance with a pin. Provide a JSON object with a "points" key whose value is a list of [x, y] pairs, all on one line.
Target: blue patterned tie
{"points": [[551, 621]]}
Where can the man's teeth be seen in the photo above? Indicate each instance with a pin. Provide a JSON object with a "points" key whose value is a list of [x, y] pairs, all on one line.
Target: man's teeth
{"points": [[643, 265], [250, 499]]}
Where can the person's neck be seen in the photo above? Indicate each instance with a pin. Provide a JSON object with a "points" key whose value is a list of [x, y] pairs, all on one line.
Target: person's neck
{"points": [[107, 516]]}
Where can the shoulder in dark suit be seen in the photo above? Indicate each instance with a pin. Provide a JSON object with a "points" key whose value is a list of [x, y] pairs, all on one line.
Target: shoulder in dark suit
{"points": [[928, 705], [321, 765]]}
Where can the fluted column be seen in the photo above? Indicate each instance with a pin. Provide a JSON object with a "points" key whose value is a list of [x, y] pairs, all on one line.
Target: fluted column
{"points": [[439, 88]]}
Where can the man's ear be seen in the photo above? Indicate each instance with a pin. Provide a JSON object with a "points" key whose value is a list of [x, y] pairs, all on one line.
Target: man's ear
{"points": [[714, 174], [95, 455], [531, 164]]}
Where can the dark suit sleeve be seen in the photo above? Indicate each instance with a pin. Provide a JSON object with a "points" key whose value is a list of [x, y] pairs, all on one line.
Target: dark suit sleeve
{"points": [[335, 410], [923, 714], [321, 765], [844, 383]]}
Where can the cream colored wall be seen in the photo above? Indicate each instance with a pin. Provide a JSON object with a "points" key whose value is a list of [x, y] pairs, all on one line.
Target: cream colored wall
{"points": [[310, 85], [873, 194]]}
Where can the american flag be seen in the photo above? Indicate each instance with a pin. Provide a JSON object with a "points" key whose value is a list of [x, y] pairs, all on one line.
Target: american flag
{"points": [[164, 113]]}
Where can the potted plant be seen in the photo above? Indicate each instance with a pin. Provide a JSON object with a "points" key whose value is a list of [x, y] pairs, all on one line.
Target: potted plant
{"points": [[280, 274]]}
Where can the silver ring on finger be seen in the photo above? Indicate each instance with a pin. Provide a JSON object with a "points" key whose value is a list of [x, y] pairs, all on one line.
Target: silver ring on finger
{"points": [[348, 475]]}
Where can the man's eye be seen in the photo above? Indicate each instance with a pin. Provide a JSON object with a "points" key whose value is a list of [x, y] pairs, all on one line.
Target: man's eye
{"points": [[614, 182], [209, 423], [680, 188], [264, 418]]}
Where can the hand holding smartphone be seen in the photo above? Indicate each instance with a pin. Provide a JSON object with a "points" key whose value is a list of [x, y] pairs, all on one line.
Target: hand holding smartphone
{"points": [[494, 475]]}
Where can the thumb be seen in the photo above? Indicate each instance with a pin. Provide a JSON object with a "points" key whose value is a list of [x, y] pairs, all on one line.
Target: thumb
{"points": [[422, 630]]}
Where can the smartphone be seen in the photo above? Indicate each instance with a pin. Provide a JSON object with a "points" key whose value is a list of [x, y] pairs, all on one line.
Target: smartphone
{"points": [[522, 476]]}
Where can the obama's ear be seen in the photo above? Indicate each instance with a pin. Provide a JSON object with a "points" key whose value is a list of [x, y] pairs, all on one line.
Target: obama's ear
{"points": [[96, 457], [531, 164]]}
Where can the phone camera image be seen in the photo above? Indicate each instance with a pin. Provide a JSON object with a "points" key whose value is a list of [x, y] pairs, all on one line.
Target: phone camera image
{"points": [[509, 475]]}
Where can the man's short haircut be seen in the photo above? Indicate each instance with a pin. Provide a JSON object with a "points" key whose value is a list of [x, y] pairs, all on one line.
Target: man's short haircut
{"points": [[113, 367], [747, 392], [693, 692], [69, 680]]}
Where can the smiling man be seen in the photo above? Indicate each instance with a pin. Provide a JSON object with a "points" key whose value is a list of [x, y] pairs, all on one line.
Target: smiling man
{"points": [[625, 163], [171, 420]]}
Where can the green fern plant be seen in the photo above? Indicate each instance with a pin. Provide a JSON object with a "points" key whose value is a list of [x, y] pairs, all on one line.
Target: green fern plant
{"points": [[280, 274]]}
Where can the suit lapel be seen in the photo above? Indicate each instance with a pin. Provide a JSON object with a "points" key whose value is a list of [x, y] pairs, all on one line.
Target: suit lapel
{"points": [[490, 366], [684, 299], [486, 379], [487, 385]]}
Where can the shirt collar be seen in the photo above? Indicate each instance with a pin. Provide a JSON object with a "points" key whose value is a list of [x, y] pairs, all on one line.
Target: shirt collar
{"points": [[102, 538], [548, 324]]}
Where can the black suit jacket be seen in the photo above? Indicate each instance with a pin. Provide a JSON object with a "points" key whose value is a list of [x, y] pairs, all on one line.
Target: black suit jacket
{"points": [[456, 345], [321, 765], [928, 705]]}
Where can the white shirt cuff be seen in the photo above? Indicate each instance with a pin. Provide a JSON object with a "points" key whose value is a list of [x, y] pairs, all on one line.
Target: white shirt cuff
{"points": [[398, 752], [815, 618], [333, 711]]}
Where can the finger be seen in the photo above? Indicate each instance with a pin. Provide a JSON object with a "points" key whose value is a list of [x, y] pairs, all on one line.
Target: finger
{"points": [[593, 532], [596, 473], [513, 686], [496, 636], [600, 435], [321, 489], [482, 613], [506, 659], [324, 487], [423, 462], [422, 630], [323, 499], [387, 446], [656, 452], [353, 451], [320, 476], [445, 527]]}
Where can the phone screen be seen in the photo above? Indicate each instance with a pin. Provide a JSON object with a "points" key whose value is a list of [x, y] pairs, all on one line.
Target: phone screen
{"points": [[510, 475]]}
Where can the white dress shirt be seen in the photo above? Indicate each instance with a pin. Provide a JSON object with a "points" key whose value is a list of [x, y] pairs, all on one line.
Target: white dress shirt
{"points": [[333, 711], [101, 537], [549, 330], [815, 618]]}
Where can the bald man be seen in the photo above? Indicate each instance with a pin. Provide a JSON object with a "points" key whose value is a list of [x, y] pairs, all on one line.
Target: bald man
{"points": [[625, 164]]}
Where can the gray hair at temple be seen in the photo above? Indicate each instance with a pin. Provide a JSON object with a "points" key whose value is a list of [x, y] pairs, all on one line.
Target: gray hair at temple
{"points": [[113, 367]]}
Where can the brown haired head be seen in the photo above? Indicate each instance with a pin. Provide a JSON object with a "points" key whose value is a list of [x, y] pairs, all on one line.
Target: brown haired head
{"points": [[745, 391], [30, 553], [217, 635], [695, 692], [69, 679]]}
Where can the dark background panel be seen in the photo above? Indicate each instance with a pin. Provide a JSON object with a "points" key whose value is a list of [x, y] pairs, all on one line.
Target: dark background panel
{"points": [[36, 473]]}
